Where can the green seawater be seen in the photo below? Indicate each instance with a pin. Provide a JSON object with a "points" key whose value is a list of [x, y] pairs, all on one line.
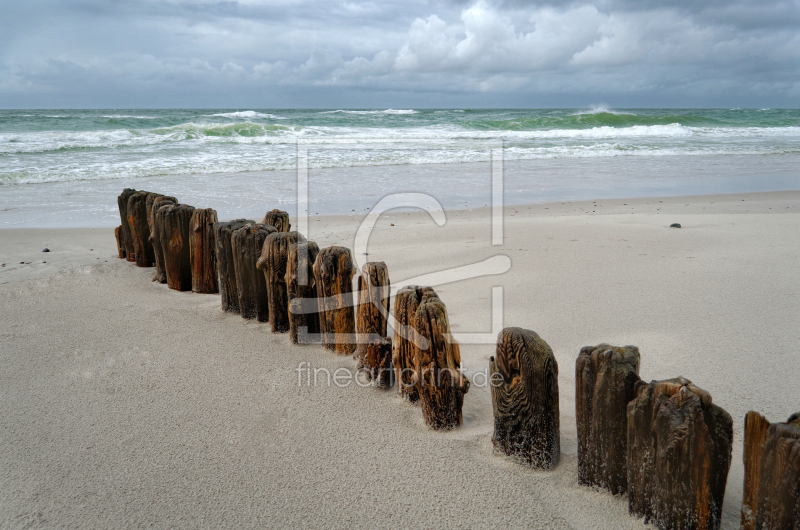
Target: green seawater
{"points": [[38, 146]]}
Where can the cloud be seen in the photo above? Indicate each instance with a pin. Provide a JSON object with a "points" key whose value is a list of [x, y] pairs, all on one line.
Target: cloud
{"points": [[311, 52]]}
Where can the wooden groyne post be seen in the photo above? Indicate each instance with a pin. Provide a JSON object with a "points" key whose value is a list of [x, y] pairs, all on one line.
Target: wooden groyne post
{"points": [[202, 252], [524, 383], [333, 275], [246, 243], [679, 454], [374, 349], [605, 379]]}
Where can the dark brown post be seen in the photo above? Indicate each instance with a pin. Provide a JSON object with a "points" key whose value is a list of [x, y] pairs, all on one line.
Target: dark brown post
{"points": [[122, 203], [273, 262], [302, 293], [120, 244], [279, 219], [140, 229], [374, 351], [333, 274], [679, 454], [160, 275], [406, 302], [246, 243], [229, 292], [524, 382], [175, 225], [771, 474], [755, 434], [438, 361], [202, 251], [605, 377]]}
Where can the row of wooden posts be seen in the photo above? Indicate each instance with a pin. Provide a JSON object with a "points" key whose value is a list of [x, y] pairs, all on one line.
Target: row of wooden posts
{"points": [[664, 443]]}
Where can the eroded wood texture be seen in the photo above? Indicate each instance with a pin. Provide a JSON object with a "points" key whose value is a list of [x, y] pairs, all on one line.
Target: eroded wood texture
{"points": [[374, 347], [160, 274], [524, 375], [174, 221], [279, 219], [122, 203], [772, 474], [202, 251], [406, 302], [755, 434], [302, 293], [120, 245], [437, 359], [333, 275], [140, 229], [605, 378], [247, 243], [223, 233], [679, 454], [273, 262]]}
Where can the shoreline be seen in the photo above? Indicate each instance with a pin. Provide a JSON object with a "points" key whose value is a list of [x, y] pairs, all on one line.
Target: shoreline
{"points": [[337, 191], [128, 401]]}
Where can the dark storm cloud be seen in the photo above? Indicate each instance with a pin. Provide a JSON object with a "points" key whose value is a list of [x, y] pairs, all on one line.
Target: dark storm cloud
{"points": [[329, 53]]}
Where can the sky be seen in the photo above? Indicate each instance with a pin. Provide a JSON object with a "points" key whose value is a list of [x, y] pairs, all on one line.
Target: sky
{"points": [[399, 53]]}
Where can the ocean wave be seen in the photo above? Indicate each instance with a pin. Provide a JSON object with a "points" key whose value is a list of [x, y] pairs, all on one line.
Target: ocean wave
{"points": [[125, 116], [248, 115], [248, 132], [367, 112], [151, 161]]}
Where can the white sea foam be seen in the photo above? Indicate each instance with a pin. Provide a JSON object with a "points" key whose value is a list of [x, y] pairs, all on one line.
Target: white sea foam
{"points": [[248, 115], [365, 112]]}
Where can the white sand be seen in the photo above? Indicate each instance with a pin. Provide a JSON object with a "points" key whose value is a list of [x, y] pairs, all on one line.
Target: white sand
{"points": [[123, 403]]}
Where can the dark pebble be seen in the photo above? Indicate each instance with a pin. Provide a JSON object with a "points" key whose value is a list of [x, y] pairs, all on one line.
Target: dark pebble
{"points": [[46, 250], [675, 225], [22, 263]]}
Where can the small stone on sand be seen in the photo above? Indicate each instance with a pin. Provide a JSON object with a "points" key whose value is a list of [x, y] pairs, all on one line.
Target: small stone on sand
{"points": [[675, 225], [46, 250]]}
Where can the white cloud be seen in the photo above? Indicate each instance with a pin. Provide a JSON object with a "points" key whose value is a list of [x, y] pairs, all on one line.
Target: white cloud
{"points": [[587, 47]]}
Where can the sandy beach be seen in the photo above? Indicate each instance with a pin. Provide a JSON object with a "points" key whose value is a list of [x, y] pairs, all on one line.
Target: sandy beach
{"points": [[123, 403]]}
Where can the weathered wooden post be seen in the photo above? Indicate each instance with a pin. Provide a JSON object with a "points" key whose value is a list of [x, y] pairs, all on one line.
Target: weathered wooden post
{"points": [[374, 349], [246, 243], [202, 251], [679, 454], [302, 293], [122, 203], [605, 377], [120, 244], [174, 221], [279, 219], [140, 229], [406, 302], [333, 275], [771, 473], [273, 262], [524, 383], [437, 358], [223, 233], [160, 275]]}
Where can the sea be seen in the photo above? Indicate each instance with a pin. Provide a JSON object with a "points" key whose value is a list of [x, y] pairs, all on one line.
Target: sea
{"points": [[66, 167]]}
